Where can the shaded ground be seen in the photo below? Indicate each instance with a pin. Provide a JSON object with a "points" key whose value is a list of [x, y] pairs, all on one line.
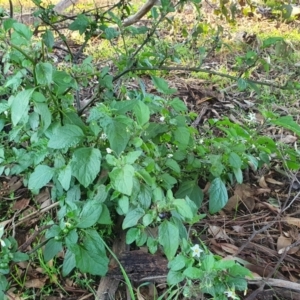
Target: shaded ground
{"points": [[260, 221]]}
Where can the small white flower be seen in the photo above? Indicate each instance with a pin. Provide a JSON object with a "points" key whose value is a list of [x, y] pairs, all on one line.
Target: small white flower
{"points": [[169, 155], [201, 141], [161, 119], [196, 250], [252, 117], [231, 294], [103, 137], [108, 150]]}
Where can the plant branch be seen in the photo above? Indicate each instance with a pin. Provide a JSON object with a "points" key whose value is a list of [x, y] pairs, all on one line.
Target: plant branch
{"points": [[194, 69]]}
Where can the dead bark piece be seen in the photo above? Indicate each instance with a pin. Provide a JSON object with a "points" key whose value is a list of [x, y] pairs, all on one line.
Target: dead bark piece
{"points": [[141, 266]]}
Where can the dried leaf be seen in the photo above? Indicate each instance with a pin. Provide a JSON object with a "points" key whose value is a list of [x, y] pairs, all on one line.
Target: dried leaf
{"points": [[219, 233], [283, 242], [232, 203], [271, 180], [249, 202], [229, 248], [292, 221], [238, 228], [262, 183], [21, 204], [35, 283], [288, 139]]}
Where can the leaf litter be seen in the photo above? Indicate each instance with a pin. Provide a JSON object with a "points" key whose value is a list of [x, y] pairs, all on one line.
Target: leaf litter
{"points": [[254, 228]]}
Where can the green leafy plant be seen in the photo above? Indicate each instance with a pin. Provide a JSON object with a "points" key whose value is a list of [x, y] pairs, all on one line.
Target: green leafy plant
{"points": [[135, 154]]}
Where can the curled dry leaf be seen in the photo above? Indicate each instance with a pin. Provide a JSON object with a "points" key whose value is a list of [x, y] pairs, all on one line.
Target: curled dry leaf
{"points": [[288, 139], [238, 228], [291, 221], [262, 182], [283, 242], [219, 233], [243, 193], [21, 204], [37, 283], [229, 248], [273, 181]]}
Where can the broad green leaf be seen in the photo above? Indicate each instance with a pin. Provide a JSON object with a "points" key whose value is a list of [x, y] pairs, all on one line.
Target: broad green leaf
{"points": [[51, 249], [182, 137], [43, 110], [62, 82], [111, 33], [3, 286], [48, 38], [162, 86], [144, 196], [192, 190], [271, 41], [183, 208], [122, 179], [168, 237], [105, 216], [152, 244], [3, 107], [288, 123], [133, 217], [178, 263], [242, 84], [142, 238], [106, 81], [86, 164], [19, 256], [168, 181], [21, 34], [146, 176], [131, 235], [40, 177], [238, 270], [234, 160], [154, 129], [43, 73], [69, 263], [118, 135], [208, 262], [90, 255], [238, 175], [132, 156], [123, 204], [193, 273], [218, 196], [142, 113], [65, 137], [174, 277], [253, 161], [20, 105], [90, 214], [178, 105], [173, 165], [23, 30], [147, 219], [64, 177], [224, 264], [81, 23]]}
